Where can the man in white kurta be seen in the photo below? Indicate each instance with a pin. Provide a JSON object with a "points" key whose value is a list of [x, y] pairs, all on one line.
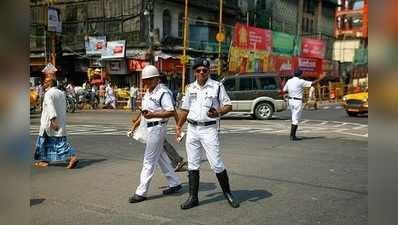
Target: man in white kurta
{"points": [[295, 88], [51, 144]]}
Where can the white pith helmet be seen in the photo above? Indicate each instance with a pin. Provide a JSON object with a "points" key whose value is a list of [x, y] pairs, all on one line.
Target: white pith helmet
{"points": [[150, 71]]}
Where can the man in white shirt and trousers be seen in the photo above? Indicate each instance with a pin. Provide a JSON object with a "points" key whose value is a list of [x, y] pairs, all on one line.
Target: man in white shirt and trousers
{"points": [[295, 89], [204, 102], [157, 107]]}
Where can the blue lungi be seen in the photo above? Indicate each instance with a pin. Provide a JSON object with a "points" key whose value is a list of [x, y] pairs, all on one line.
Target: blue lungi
{"points": [[53, 149]]}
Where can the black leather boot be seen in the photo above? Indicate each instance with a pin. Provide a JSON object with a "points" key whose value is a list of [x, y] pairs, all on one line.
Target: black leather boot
{"points": [[293, 131], [224, 183], [192, 201]]}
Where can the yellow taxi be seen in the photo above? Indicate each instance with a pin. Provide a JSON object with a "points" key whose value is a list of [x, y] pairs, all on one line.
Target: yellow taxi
{"points": [[355, 104]]}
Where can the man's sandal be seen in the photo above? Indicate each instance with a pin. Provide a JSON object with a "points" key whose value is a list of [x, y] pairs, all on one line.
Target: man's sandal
{"points": [[72, 164], [40, 164]]}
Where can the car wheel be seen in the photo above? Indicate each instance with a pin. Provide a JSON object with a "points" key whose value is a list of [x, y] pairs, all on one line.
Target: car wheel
{"points": [[352, 113], [263, 111]]}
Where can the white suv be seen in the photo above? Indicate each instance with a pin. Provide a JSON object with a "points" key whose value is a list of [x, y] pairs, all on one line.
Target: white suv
{"points": [[259, 94]]}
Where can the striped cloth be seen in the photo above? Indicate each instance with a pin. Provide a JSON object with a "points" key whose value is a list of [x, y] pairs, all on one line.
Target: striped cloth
{"points": [[53, 149]]}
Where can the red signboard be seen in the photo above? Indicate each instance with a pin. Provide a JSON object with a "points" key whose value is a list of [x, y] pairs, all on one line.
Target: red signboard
{"points": [[286, 65], [313, 48], [136, 64], [170, 66], [283, 65], [252, 38], [311, 67]]}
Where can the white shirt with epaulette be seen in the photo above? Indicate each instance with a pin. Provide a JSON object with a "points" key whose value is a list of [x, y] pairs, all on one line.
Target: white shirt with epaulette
{"points": [[198, 100], [159, 100], [295, 87]]}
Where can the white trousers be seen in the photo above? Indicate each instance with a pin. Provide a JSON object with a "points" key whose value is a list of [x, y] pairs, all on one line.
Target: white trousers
{"points": [[296, 107], [155, 155], [203, 137]]}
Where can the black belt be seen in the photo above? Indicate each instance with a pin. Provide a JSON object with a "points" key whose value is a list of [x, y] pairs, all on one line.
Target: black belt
{"points": [[195, 123], [295, 98], [152, 124]]}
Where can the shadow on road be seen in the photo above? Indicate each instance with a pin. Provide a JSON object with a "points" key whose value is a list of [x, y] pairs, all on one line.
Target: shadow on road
{"points": [[82, 163], [312, 138], [203, 186], [36, 201], [241, 195]]}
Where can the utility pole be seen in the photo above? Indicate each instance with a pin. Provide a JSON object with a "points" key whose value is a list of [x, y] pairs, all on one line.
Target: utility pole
{"points": [[220, 38], [184, 58]]}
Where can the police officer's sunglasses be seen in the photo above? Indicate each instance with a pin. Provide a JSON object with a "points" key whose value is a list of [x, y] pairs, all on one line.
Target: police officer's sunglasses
{"points": [[202, 70]]}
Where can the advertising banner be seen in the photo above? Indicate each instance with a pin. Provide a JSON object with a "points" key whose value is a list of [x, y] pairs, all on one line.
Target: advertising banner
{"points": [[283, 65], [252, 38], [311, 67], [283, 43], [95, 45], [114, 49], [313, 48], [136, 64], [170, 66], [286, 65], [234, 56]]}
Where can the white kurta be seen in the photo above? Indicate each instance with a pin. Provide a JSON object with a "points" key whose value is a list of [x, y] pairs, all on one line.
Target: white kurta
{"points": [[295, 88], [54, 106], [198, 101]]}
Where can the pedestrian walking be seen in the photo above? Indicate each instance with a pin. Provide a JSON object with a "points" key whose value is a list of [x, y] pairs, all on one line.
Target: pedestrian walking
{"points": [[157, 107], [205, 101], [51, 144], [101, 94], [110, 96], [133, 96], [295, 89]]}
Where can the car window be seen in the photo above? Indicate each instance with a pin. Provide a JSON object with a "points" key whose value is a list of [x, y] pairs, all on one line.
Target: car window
{"points": [[245, 84], [229, 85], [267, 83]]}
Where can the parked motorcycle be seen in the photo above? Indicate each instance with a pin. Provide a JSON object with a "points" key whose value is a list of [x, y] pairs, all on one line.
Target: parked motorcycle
{"points": [[70, 103], [86, 98]]}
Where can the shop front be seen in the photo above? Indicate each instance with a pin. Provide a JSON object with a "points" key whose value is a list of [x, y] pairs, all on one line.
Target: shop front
{"points": [[171, 68]]}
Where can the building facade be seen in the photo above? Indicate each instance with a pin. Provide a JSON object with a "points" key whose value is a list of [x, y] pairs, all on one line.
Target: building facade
{"points": [[151, 29], [351, 46]]}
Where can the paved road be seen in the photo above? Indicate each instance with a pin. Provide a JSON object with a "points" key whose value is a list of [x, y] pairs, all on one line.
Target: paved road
{"points": [[320, 180]]}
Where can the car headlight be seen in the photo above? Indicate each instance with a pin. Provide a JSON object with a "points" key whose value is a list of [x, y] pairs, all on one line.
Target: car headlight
{"points": [[344, 98]]}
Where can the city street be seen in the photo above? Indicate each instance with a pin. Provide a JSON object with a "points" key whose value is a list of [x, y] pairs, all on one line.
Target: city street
{"points": [[319, 180]]}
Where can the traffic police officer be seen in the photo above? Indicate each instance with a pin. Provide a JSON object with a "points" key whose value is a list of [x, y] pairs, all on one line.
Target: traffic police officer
{"points": [[204, 102], [295, 88], [157, 107]]}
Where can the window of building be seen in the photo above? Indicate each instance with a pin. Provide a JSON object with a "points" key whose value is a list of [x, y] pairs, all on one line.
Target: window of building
{"points": [[358, 5], [309, 7], [180, 24], [199, 20], [166, 23]]}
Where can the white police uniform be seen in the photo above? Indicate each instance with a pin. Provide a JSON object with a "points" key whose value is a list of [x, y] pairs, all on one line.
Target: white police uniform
{"points": [[295, 88], [157, 100], [202, 130]]}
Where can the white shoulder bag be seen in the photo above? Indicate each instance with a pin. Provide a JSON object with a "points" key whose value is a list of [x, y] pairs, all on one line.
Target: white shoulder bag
{"points": [[141, 133]]}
